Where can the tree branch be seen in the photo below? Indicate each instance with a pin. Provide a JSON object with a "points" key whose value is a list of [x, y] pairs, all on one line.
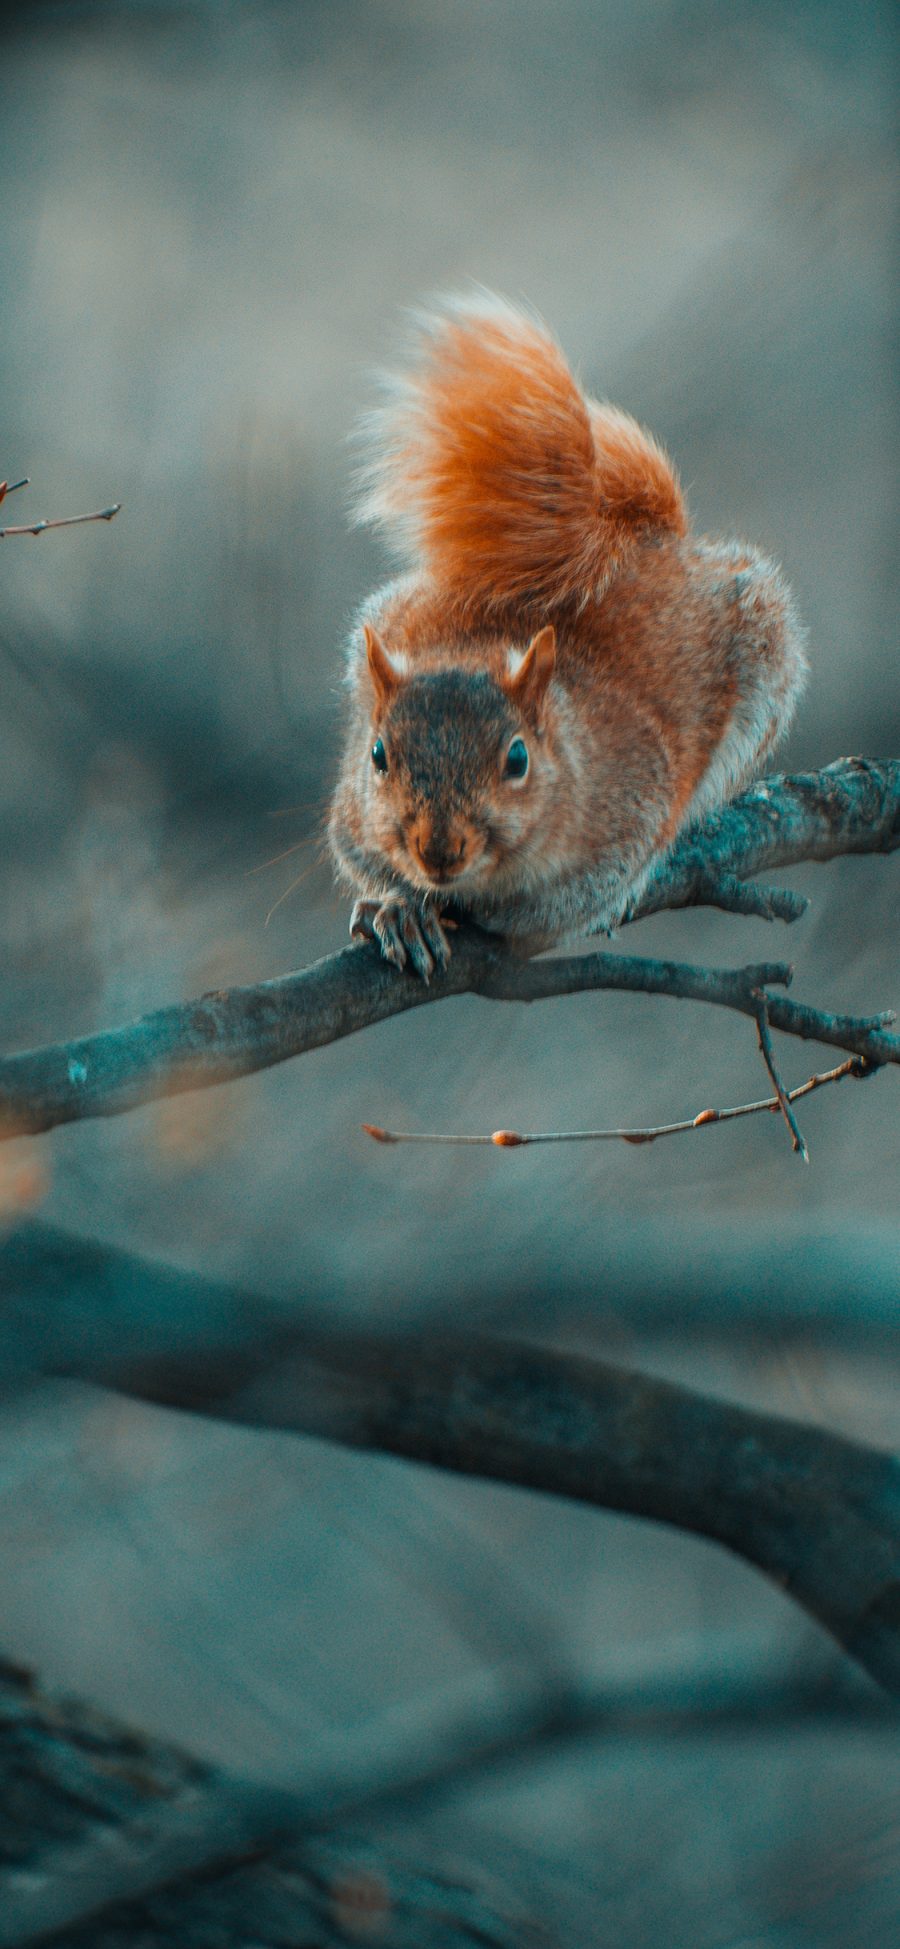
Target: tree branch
{"points": [[855, 1066], [853, 806], [62, 521], [819, 1514], [108, 1837], [159, 1849], [783, 1096]]}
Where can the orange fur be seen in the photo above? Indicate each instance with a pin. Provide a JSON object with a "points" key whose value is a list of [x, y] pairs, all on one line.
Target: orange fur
{"points": [[495, 475], [559, 615]]}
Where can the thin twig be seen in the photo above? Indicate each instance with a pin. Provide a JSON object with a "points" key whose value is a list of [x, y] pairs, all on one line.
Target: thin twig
{"points": [[783, 1096], [64, 521], [12, 486], [511, 1139]]}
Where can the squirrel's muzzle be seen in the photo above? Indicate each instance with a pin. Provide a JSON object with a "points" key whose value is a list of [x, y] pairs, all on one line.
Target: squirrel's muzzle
{"points": [[439, 852]]}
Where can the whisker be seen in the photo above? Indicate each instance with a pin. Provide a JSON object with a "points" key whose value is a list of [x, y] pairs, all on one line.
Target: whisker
{"points": [[306, 805], [308, 840], [291, 889]]}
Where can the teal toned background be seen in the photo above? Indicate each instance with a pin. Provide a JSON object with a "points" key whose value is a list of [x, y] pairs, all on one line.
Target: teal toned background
{"points": [[213, 217]]}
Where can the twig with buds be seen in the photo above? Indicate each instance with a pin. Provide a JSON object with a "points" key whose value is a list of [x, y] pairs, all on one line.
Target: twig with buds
{"points": [[858, 1066], [62, 521]]}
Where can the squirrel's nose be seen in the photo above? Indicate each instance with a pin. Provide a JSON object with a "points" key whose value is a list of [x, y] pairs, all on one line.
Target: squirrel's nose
{"points": [[440, 853]]}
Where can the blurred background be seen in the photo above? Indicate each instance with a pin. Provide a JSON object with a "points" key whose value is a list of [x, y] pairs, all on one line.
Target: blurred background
{"points": [[213, 218]]}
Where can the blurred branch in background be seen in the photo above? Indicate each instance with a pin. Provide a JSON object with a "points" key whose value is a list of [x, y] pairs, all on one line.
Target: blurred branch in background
{"points": [[107, 1835], [817, 1513], [852, 806], [161, 1847]]}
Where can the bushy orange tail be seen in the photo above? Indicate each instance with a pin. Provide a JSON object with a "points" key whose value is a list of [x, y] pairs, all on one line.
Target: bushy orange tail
{"points": [[490, 471]]}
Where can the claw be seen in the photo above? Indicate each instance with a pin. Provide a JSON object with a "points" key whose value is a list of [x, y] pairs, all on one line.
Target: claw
{"points": [[362, 920], [417, 946], [404, 929], [388, 934], [434, 937]]}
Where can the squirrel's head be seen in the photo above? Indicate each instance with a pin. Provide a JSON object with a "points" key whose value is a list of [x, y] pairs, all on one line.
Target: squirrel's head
{"points": [[459, 763]]}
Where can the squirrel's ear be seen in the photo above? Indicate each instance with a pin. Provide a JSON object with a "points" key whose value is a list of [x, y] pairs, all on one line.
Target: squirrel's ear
{"points": [[385, 675], [528, 682]]}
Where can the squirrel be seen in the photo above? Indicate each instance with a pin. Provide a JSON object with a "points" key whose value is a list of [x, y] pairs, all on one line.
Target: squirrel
{"points": [[564, 676]]}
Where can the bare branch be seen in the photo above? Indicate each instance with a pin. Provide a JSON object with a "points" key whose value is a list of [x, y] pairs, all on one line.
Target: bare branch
{"points": [[159, 1848], [648, 1134], [726, 891], [234, 1032], [143, 1842], [853, 807], [817, 1513], [781, 1094], [63, 521]]}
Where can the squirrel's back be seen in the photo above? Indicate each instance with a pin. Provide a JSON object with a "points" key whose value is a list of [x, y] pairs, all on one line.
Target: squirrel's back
{"points": [[495, 477], [703, 638]]}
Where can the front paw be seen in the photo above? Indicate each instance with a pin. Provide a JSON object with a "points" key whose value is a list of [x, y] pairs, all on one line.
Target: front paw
{"points": [[405, 929]]}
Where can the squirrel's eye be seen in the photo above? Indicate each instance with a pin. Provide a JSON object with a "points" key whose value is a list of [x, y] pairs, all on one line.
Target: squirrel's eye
{"points": [[379, 756], [516, 759]]}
